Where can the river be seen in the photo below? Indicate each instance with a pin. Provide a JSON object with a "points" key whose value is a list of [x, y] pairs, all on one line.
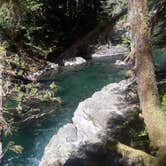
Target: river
{"points": [[75, 87]]}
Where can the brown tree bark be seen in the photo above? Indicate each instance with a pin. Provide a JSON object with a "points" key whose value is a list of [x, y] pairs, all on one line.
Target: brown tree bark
{"points": [[154, 118]]}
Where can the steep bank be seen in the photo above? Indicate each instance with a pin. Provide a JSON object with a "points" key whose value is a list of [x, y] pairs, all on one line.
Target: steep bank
{"points": [[93, 119]]}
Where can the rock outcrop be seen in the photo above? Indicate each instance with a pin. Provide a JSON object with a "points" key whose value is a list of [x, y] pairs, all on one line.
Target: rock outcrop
{"points": [[74, 62], [51, 70], [95, 119], [105, 52]]}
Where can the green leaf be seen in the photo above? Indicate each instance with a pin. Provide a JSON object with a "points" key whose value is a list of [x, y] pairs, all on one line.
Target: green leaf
{"points": [[16, 148]]}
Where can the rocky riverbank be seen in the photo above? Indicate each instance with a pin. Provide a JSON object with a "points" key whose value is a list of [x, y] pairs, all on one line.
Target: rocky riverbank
{"points": [[52, 69], [37, 71], [96, 119]]}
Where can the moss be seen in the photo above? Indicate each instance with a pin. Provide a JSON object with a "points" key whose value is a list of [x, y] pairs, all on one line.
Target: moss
{"points": [[2, 49], [164, 104], [126, 41], [133, 156]]}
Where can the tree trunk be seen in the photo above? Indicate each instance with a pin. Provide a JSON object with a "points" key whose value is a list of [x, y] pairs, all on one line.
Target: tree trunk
{"points": [[154, 118]]}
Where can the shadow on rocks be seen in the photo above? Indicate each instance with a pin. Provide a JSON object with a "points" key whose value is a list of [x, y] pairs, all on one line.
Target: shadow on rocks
{"points": [[95, 155]]}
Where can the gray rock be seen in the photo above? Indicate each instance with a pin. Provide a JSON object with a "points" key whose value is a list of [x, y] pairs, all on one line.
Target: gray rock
{"points": [[105, 52], [89, 124], [74, 61], [51, 70], [121, 63], [47, 73]]}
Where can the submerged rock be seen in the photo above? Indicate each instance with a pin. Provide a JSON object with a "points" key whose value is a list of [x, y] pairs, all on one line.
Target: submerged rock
{"points": [[95, 119]]}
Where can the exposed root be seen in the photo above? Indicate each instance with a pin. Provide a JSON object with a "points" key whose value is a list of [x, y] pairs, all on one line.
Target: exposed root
{"points": [[129, 74], [131, 57], [132, 155]]}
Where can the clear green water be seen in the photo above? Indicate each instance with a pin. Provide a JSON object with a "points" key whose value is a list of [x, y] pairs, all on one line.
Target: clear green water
{"points": [[75, 87]]}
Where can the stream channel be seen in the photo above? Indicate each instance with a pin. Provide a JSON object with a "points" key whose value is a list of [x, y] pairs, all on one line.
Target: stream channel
{"points": [[75, 87]]}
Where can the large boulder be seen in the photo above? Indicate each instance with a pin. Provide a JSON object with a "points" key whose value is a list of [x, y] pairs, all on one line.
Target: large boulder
{"points": [[95, 118], [74, 62]]}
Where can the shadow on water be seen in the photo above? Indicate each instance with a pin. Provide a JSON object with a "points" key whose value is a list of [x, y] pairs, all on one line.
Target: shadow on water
{"points": [[75, 87]]}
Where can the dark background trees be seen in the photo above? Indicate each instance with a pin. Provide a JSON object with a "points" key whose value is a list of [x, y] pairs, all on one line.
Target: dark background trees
{"points": [[52, 25]]}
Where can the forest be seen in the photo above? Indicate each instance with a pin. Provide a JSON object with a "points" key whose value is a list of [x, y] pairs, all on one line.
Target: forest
{"points": [[82, 83]]}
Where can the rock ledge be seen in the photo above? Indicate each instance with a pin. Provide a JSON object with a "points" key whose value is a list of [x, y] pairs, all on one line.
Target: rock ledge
{"points": [[89, 124]]}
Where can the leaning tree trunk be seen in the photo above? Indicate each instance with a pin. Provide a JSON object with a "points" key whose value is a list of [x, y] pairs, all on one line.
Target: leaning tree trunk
{"points": [[154, 118]]}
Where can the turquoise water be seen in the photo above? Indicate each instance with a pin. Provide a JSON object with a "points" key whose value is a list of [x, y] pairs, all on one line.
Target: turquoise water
{"points": [[75, 87]]}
